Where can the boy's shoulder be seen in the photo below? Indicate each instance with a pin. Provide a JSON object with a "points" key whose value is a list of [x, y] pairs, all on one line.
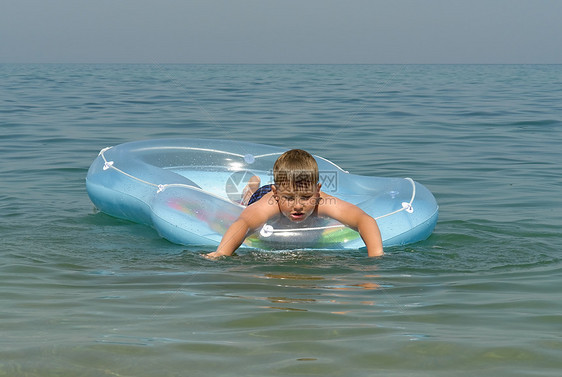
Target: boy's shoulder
{"points": [[261, 211], [333, 206]]}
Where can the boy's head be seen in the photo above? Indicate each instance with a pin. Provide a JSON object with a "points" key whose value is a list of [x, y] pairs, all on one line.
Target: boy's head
{"points": [[295, 169], [296, 186]]}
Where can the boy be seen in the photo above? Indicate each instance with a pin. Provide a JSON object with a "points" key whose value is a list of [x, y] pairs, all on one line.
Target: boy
{"points": [[296, 196]]}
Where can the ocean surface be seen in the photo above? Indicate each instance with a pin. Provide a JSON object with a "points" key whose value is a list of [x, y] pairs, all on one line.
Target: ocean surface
{"points": [[85, 294]]}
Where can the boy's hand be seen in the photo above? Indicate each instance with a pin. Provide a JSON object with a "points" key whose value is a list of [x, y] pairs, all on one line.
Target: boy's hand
{"points": [[213, 256]]}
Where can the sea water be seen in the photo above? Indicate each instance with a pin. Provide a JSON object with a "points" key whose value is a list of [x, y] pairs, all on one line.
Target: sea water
{"points": [[82, 293]]}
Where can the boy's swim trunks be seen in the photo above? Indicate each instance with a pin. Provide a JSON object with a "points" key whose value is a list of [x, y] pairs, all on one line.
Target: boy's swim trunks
{"points": [[259, 193]]}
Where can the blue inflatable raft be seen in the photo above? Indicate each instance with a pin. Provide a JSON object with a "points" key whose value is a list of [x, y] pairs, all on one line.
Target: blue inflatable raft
{"points": [[189, 190]]}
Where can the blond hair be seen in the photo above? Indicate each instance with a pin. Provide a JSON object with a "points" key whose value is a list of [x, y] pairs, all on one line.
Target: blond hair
{"points": [[296, 169]]}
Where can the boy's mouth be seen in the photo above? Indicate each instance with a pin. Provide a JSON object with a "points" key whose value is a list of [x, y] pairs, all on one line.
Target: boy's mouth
{"points": [[297, 216]]}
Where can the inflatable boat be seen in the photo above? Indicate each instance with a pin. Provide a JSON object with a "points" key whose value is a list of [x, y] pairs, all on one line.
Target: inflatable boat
{"points": [[190, 190]]}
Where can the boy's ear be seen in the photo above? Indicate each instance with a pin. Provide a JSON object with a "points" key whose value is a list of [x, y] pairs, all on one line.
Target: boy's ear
{"points": [[274, 192], [319, 186]]}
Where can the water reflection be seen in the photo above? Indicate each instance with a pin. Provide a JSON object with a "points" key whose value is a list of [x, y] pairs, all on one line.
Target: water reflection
{"points": [[318, 291]]}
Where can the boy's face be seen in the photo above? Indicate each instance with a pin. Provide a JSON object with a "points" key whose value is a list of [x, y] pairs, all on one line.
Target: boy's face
{"points": [[297, 204]]}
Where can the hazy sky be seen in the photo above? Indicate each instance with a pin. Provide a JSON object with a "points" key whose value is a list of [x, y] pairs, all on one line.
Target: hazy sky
{"points": [[281, 31]]}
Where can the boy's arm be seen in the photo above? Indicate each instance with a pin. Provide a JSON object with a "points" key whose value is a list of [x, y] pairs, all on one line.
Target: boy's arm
{"points": [[251, 218], [369, 231], [232, 239], [355, 218]]}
